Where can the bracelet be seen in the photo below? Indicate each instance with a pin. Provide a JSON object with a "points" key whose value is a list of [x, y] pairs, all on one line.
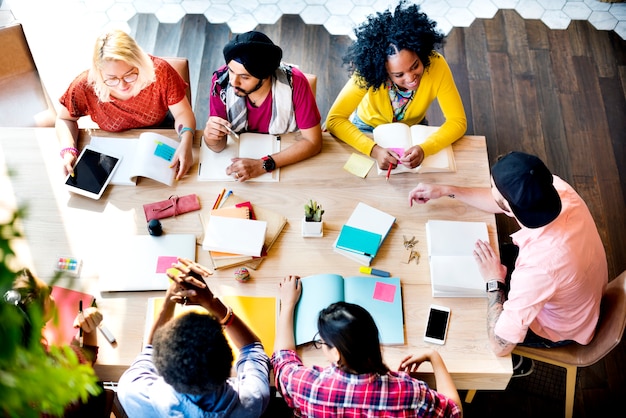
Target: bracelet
{"points": [[183, 130], [71, 150], [228, 318]]}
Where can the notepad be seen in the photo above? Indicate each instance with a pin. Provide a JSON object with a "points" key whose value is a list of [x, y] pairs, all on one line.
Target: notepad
{"points": [[453, 270], [399, 136], [370, 219], [212, 165], [359, 241], [234, 235]]}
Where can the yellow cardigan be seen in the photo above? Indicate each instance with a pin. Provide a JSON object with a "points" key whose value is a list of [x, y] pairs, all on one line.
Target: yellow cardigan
{"points": [[374, 108]]}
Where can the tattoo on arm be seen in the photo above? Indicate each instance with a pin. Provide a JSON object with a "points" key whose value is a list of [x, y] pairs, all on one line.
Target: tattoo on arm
{"points": [[494, 309]]}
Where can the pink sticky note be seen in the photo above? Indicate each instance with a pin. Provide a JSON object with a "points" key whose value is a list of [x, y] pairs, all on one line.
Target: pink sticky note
{"points": [[384, 292], [399, 151], [164, 262]]}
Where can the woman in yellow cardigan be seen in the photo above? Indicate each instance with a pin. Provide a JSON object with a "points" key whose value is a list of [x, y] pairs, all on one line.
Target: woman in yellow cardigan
{"points": [[396, 75]]}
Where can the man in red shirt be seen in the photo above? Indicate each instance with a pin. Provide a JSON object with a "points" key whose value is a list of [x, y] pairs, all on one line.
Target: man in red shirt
{"points": [[255, 92]]}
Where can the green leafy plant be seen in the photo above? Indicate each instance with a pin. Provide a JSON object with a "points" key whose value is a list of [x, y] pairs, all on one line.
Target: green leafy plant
{"points": [[313, 211], [33, 379]]}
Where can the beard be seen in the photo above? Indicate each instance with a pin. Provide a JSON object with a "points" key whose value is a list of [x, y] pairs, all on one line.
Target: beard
{"points": [[243, 93]]}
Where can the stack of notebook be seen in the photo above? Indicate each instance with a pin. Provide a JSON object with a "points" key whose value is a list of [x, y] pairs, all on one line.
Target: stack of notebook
{"points": [[363, 234], [240, 233]]}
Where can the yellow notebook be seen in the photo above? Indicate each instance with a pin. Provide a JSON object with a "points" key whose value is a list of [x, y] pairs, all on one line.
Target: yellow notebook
{"points": [[258, 312]]}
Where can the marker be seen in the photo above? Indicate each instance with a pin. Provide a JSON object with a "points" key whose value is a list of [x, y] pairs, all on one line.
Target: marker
{"points": [[388, 172], [80, 329], [375, 272]]}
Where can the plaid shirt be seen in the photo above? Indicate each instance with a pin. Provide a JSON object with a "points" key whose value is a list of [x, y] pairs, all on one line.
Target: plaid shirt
{"points": [[331, 392]]}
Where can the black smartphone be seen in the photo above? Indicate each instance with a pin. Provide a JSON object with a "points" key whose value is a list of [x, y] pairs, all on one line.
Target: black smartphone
{"points": [[437, 325]]}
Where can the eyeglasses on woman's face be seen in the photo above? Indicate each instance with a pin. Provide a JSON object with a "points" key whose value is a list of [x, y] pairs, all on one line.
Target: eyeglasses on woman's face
{"points": [[318, 342], [128, 78]]}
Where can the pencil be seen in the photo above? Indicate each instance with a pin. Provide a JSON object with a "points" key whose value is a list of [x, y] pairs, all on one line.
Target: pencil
{"points": [[388, 172], [233, 133], [226, 196], [219, 199]]}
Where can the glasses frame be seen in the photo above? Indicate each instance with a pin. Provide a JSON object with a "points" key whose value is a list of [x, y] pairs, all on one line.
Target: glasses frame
{"points": [[318, 342], [128, 79]]}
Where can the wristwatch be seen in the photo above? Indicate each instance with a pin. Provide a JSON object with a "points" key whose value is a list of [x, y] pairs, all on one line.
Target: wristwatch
{"points": [[493, 285], [269, 164]]}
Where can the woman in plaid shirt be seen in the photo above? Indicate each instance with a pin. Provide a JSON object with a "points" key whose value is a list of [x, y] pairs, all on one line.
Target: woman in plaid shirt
{"points": [[358, 383]]}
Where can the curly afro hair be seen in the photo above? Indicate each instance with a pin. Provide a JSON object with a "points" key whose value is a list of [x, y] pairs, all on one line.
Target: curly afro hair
{"points": [[192, 354], [384, 34]]}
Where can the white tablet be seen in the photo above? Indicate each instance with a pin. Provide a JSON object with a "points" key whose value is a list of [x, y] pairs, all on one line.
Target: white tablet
{"points": [[92, 172]]}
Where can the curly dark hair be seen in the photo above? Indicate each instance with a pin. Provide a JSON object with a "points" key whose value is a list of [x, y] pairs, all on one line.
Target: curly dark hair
{"points": [[192, 354], [384, 34]]}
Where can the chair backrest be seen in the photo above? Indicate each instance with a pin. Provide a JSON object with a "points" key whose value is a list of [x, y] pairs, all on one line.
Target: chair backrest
{"points": [[608, 333], [181, 65], [24, 101], [611, 324]]}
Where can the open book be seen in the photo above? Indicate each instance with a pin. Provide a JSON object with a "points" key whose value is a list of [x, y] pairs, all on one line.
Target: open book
{"points": [[453, 270], [380, 296], [150, 156], [212, 166], [399, 137], [258, 312]]}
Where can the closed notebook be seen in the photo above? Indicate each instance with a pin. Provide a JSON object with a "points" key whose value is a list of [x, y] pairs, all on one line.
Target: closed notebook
{"points": [[359, 241], [234, 235]]}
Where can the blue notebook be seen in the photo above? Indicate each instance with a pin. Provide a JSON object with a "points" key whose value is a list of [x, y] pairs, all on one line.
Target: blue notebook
{"points": [[359, 241]]}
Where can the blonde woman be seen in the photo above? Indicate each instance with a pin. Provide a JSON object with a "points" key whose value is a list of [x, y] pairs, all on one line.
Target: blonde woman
{"points": [[126, 88]]}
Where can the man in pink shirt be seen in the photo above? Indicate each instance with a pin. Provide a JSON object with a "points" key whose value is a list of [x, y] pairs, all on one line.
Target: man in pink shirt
{"points": [[256, 92], [556, 285]]}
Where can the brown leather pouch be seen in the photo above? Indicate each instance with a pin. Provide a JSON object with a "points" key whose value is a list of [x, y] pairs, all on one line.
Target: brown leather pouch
{"points": [[173, 206]]}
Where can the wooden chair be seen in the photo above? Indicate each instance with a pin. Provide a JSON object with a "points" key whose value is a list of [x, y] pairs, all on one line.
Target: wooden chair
{"points": [[24, 101], [608, 335]]}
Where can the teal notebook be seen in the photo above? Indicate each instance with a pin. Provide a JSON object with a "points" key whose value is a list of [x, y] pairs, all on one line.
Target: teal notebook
{"points": [[359, 241]]}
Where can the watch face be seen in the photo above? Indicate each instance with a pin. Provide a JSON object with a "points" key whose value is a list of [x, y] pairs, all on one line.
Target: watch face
{"points": [[268, 164]]}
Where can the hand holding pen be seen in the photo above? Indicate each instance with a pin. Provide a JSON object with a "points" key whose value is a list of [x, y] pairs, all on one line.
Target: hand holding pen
{"points": [[87, 321]]}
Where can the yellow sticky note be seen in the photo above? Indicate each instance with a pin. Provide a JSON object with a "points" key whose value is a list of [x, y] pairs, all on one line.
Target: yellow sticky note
{"points": [[359, 165]]}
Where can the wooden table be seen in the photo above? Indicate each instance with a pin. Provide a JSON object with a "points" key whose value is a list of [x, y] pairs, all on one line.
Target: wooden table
{"points": [[61, 224]]}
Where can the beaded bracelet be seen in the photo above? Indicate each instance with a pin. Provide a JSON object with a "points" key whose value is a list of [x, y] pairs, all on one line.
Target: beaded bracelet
{"points": [[183, 130], [71, 150], [228, 318]]}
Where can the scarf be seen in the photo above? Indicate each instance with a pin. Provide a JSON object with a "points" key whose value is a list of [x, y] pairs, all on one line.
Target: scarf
{"points": [[283, 117]]}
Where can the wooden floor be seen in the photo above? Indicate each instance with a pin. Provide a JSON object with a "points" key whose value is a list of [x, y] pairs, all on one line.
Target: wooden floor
{"points": [[557, 94]]}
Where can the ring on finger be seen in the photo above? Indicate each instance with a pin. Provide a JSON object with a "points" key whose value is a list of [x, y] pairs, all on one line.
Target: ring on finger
{"points": [[185, 300], [236, 175]]}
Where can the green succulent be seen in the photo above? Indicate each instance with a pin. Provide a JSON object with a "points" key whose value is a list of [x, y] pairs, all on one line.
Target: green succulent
{"points": [[313, 211]]}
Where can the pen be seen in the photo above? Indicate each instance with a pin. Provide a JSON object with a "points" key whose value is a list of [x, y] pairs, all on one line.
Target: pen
{"points": [[375, 272], [226, 196], [219, 199], [230, 131], [103, 329], [80, 328], [388, 172]]}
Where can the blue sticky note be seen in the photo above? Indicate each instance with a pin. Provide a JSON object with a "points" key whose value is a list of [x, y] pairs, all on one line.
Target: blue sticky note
{"points": [[164, 151]]}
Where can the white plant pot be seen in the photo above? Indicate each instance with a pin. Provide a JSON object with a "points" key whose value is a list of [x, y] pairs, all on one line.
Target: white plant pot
{"points": [[312, 229]]}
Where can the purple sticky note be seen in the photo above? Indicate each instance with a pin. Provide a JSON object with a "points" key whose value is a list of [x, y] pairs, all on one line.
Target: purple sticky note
{"points": [[384, 292], [164, 262], [399, 151]]}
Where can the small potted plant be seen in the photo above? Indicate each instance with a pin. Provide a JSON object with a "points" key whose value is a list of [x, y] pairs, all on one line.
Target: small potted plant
{"points": [[312, 224]]}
